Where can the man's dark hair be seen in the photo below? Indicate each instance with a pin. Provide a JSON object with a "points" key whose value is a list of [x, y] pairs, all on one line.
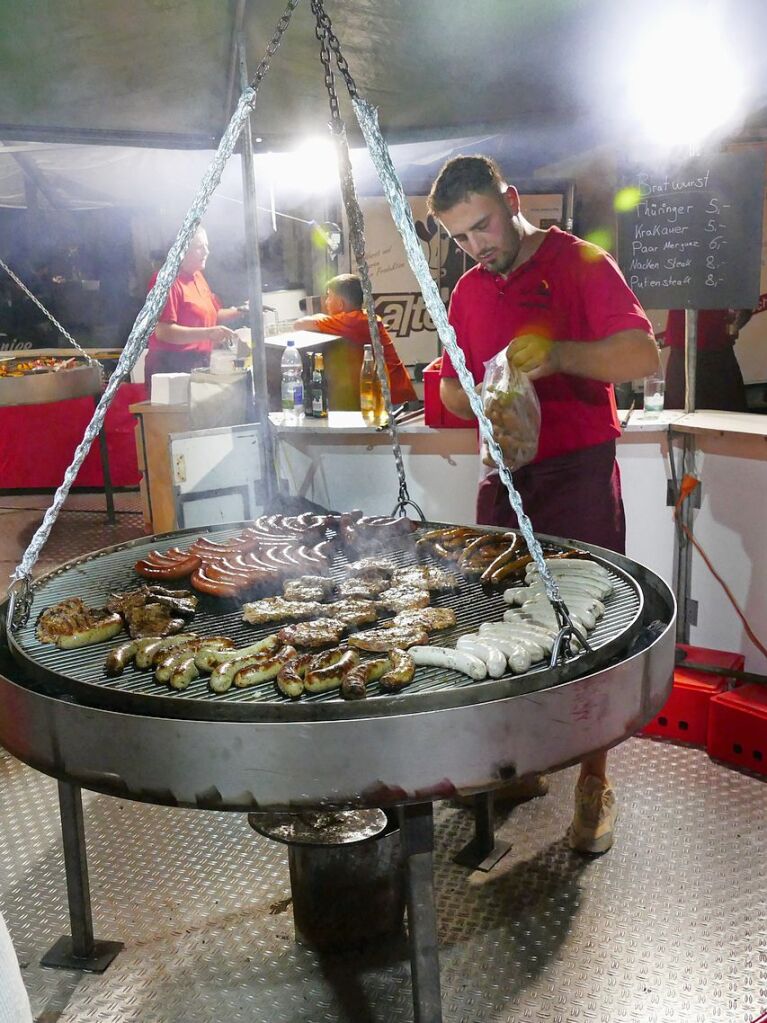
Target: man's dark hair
{"points": [[460, 177], [348, 287]]}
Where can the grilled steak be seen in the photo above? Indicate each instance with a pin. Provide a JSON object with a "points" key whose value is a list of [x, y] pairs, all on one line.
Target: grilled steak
{"points": [[352, 612], [425, 577], [277, 609], [308, 587], [318, 633], [430, 618], [382, 640], [403, 598], [365, 587]]}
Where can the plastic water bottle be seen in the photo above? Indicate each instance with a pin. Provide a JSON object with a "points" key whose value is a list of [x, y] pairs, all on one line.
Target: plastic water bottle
{"points": [[654, 389], [292, 385]]}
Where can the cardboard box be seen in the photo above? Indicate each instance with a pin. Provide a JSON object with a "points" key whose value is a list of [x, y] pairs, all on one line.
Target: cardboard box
{"points": [[170, 389], [434, 412]]}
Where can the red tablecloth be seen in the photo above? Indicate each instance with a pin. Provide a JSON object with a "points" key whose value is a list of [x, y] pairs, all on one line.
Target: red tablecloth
{"points": [[37, 442]]}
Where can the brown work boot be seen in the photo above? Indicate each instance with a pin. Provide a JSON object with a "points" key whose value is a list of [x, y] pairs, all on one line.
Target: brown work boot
{"points": [[516, 790], [595, 815]]}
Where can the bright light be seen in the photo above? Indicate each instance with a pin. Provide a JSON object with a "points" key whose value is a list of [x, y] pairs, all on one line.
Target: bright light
{"points": [[684, 82], [312, 167]]}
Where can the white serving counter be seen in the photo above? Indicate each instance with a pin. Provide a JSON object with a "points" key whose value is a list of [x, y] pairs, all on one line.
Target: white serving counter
{"points": [[340, 463]]}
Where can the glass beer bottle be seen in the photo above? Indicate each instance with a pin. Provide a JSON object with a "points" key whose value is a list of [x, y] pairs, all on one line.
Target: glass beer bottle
{"points": [[368, 382], [319, 388]]}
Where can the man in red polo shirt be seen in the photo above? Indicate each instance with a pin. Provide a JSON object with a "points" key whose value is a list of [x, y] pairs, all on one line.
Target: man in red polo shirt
{"points": [[564, 312]]}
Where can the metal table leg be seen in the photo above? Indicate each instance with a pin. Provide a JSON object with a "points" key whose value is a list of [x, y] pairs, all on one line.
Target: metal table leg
{"points": [[104, 454], [79, 951], [417, 833], [483, 851]]}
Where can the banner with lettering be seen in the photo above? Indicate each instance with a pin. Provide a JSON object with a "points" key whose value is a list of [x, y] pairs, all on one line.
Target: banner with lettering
{"points": [[398, 299], [690, 234]]}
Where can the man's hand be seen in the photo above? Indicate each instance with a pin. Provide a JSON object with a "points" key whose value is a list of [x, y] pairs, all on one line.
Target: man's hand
{"points": [[535, 355]]}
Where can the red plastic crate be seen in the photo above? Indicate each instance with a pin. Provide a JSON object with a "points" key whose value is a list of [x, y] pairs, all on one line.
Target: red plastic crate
{"points": [[737, 728], [434, 412], [685, 714]]}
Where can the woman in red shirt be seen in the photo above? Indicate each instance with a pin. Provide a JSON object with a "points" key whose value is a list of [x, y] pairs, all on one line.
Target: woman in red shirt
{"points": [[193, 321]]}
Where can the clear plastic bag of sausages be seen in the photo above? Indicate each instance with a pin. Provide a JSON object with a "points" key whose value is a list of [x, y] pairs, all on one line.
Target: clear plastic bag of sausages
{"points": [[514, 411]]}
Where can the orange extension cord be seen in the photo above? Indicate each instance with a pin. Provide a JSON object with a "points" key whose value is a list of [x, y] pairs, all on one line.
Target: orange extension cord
{"points": [[689, 485]]}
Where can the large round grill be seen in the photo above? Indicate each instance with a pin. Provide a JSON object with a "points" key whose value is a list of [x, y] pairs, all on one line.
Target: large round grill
{"points": [[254, 749], [81, 671]]}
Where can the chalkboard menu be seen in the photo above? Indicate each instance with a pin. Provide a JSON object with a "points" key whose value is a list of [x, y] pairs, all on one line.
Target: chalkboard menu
{"points": [[689, 236]]}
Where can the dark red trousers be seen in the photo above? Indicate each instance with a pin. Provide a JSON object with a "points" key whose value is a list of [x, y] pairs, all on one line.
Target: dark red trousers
{"points": [[575, 496]]}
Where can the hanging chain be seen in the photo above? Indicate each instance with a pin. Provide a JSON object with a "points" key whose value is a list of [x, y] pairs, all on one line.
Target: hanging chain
{"points": [[51, 317], [356, 221], [21, 594], [273, 43], [324, 32]]}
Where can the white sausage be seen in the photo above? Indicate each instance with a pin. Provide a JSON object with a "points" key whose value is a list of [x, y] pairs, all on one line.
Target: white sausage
{"points": [[585, 610], [494, 658], [572, 568], [582, 583], [574, 600], [534, 629], [445, 657], [518, 657], [542, 614], [532, 644]]}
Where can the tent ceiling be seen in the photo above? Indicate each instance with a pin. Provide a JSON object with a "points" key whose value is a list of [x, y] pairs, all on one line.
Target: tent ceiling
{"points": [[159, 71]]}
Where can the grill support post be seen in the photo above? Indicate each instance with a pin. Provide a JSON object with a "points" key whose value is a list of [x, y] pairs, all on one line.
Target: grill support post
{"points": [[484, 850], [417, 833], [78, 951], [105, 471]]}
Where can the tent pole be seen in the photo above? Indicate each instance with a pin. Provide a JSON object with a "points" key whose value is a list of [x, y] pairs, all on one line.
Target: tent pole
{"points": [[255, 292]]}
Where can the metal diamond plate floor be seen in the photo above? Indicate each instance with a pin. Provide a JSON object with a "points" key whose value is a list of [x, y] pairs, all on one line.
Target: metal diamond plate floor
{"points": [[666, 928]]}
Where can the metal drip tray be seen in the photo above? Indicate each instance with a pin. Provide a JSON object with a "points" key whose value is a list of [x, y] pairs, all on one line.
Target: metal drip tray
{"points": [[80, 673]]}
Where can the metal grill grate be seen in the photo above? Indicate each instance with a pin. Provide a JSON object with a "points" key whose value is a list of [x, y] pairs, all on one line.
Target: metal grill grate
{"points": [[94, 577]]}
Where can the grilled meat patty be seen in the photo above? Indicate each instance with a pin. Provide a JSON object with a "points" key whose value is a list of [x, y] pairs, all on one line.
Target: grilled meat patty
{"points": [[365, 587], [382, 640], [318, 633], [425, 577], [403, 598], [277, 609], [352, 612], [308, 587], [430, 618]]}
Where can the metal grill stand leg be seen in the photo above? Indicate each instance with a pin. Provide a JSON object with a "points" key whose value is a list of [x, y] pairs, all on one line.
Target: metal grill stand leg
{"points": [[417, 832], [483, 851], [79, 951], [108, 493]]}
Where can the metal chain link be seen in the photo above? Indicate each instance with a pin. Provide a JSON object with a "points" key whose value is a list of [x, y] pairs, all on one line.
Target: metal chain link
{"points": [[51, 317], [274, 43], [144, 324], [323, 24], [356, 221], [330, 85]]}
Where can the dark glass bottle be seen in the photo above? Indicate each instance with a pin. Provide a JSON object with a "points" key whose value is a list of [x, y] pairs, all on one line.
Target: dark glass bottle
{"points": [[319, 388], [308, 371]]}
